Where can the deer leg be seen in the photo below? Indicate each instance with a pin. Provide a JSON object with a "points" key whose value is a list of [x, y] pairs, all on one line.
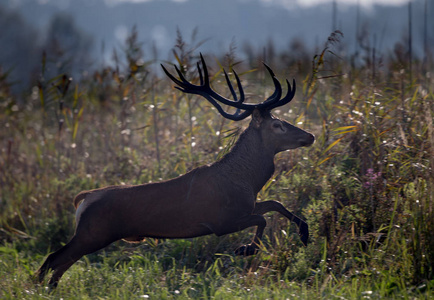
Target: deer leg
{"points": [[267, 206], [52, 262], [252, 220], [65, 257]]}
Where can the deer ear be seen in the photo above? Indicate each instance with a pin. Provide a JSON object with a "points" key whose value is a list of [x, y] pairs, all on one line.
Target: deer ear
{"points": [[257, 118]]}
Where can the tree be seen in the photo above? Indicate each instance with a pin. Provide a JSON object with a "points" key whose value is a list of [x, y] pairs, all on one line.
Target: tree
{"points": [[19, 51], [68, 48]]}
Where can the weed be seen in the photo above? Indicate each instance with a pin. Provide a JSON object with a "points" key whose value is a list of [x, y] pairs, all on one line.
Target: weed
{"points": [[365, 187]]}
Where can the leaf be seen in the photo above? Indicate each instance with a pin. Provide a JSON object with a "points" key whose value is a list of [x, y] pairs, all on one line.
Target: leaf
{"points": [[385, 131], [76, 95], [247, 72], [80, 112], [9, 251], [343, 132], [311, 98], [74, 132], [332, 145], [344, 128], [325, 159], [177, 58], [221, 68], [299, 118], [414, 96]]}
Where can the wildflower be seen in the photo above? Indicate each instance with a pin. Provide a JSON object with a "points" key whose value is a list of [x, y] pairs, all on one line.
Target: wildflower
{"points": [[372, 177]]}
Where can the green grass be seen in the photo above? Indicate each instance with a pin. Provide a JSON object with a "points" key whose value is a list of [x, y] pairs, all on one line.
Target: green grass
{"points": [[365, 187], [141, 275]]}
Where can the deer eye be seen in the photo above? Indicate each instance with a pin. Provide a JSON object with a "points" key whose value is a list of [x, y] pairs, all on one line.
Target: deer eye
{"points": [[277, 125]]}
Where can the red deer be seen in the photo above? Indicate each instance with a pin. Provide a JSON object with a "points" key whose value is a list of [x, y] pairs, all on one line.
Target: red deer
{"points": [[219, 198]]}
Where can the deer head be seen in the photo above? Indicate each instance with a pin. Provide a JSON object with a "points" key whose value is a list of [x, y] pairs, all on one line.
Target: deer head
{"points": [[277, 135]]}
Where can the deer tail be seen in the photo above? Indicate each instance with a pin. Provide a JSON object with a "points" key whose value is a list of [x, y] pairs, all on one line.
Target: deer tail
{"points": [[80, 198]]}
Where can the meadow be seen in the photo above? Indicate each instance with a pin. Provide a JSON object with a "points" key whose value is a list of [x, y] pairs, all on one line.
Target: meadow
{"points": [[366, 187]]}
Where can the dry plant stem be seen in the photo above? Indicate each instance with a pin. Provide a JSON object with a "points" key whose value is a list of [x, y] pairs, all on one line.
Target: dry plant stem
{"points": [[155, 122]]}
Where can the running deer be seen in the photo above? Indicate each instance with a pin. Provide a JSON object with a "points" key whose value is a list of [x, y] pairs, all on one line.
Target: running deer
{"points": [[213, 199]]}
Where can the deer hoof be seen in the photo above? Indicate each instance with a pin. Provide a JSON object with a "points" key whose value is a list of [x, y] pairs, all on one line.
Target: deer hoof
{"points": [[246, 250], [304, 233]]}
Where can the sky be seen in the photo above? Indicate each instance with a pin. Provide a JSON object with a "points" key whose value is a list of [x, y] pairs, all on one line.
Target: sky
{"points": [[158, 20], [292, 3], [384, 26]]}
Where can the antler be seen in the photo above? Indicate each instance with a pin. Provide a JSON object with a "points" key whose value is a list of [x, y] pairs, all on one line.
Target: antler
{"points": [[204, 89]]}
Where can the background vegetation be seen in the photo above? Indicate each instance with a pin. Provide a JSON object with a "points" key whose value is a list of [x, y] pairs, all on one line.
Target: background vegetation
{"points": [[366, 187]]}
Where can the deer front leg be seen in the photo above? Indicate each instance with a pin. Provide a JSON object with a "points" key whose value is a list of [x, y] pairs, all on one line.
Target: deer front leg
{"points": [[238, 225], [252, 220], [267, 206]]}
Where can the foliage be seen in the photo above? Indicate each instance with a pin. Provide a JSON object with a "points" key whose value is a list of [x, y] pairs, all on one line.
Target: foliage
{"points": [[365, 187]]}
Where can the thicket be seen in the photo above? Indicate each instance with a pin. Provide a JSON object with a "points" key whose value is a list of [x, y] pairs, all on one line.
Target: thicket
{"points": [[366, 187]]}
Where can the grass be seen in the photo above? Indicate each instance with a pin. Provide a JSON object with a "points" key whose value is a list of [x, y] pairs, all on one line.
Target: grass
{"points": [[365, 187]]}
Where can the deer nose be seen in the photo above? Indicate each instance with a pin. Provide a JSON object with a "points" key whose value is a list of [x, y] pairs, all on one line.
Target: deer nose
{"points": [[308, 140]]}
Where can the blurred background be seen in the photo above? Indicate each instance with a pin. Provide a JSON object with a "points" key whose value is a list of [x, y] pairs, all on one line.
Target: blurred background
{"points": [[81, 36]]}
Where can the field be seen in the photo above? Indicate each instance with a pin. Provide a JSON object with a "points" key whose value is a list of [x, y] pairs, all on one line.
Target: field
{"points": [[366, 187]]}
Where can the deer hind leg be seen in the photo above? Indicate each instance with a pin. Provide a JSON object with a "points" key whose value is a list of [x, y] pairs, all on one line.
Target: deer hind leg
{"points": [[59, 262], [65, 257], [267, 206]]}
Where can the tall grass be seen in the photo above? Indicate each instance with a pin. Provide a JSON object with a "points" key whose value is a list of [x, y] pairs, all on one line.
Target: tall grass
{"points": [[365, 187]]}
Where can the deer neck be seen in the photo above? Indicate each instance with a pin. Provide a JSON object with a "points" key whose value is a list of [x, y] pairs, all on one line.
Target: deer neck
{"points": [[249, 161]]}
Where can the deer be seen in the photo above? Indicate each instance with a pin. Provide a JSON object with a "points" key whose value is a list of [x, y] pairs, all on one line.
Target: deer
{"points": [[219, 198]]}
